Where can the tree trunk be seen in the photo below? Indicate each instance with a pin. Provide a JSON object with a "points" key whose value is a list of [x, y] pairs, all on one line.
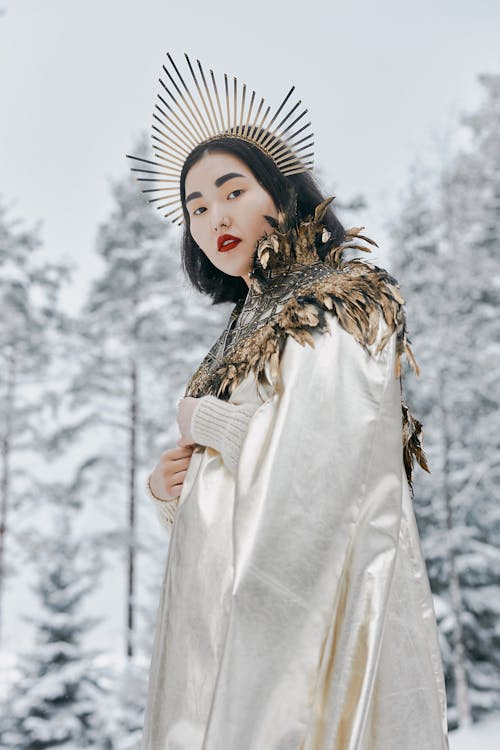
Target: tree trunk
{"points": [[458, 653], [5, 476], [132, 459]]}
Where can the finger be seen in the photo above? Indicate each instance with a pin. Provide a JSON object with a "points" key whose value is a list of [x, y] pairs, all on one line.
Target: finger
{"points": [[175, 453], [183, 442], [176, 489], [183, 448], [174, 470], [177, 463], [179, 476]]}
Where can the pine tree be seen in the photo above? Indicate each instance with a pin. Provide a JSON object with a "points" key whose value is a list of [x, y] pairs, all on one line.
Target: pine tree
{"points": [[445, 256], [29, 288], [471, 211], [56, 701]]}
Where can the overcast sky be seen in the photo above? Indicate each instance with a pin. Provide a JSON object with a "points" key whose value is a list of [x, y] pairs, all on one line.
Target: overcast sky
{"points": [[383, 80]]}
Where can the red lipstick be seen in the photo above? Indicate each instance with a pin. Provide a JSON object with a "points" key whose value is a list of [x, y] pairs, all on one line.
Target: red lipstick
{"points": [[223, 243]]}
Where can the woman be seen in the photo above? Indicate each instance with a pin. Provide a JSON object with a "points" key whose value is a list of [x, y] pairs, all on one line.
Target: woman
{"points": [[295, 611]]}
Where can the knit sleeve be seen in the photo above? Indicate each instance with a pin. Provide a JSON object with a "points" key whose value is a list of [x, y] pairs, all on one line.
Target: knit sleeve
{"points": [[165, 509], [223, 426]]}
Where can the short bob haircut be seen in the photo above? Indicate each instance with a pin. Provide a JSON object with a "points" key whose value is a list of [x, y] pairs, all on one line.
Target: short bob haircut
{"points": [[284, 190]]}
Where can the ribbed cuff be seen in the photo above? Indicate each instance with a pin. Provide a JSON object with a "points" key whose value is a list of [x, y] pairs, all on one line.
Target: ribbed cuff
{"points": [[165, 509], [222, 426]]}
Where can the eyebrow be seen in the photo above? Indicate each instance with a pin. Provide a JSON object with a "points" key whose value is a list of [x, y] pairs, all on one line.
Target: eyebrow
{"points": [[218, 182]]}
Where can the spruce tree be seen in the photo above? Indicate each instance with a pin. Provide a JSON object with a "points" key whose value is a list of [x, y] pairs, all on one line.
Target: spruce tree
{"points": [[29, 324], [56, 700], [445, 257]]}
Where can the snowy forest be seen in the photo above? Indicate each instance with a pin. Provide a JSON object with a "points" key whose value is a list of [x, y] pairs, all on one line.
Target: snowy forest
{"points": [[88, 402]]}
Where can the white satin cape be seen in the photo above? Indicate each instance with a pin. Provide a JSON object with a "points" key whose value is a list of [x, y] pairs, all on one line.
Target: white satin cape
{"points": [[295, 611]]}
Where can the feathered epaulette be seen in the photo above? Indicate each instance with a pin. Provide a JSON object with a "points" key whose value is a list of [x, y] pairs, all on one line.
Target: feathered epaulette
{"points": [[292, 288]]}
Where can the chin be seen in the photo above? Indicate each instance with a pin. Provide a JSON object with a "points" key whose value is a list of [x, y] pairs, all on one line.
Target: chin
{"points": [[234, 269], [234, 273]]}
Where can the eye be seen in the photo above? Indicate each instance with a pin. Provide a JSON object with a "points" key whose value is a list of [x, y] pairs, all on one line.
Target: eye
{"points": [[197, 210]]}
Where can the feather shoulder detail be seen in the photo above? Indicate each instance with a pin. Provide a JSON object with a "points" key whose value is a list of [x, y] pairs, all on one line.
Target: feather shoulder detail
{"points": [[292, 288]]}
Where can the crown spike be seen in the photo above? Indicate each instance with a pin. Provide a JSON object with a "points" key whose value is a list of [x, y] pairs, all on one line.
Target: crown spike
{"points": [[139, 158], [299, 131], [169, 155], [292, 124], [152, 171], [180, 151], [169, 213], [255, 119], [279, 108], [261, 124], [276, 129], [187, 118], [153, 190], [202, 98], [171, 202], [228, 127], [209, 97], [218, 100], [191, 117], [242, 107], [160, 198], [177, 138], [289, 145], [184, 127], [285, 159], [245, 129], [203, 122], [305, 166], [181, 133], [235, 98]]}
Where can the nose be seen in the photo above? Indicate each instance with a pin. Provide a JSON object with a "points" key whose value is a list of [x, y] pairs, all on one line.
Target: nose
{"points": [[221, 222]]}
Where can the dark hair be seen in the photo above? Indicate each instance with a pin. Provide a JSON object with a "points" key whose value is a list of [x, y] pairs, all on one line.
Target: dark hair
{"points": [[203, 275]]}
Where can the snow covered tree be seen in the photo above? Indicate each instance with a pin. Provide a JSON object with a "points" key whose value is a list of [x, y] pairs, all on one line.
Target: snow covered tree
{"points": [[29, 288], [445, 257], [471, 206], [57, 699]]}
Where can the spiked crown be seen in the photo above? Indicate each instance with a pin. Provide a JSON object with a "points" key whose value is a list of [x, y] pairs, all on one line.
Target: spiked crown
{"points": [[185, 118]]}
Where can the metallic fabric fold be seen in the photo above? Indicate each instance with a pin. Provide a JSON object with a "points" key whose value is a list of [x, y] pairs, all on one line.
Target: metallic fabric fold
{"points": [[295, 611]]}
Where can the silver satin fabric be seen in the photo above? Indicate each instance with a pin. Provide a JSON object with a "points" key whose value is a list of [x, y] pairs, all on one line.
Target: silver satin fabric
{"points": [[295, 611]]}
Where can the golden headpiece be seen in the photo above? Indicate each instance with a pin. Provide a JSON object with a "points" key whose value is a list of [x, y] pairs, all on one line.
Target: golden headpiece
{"points": [[191, 120]]}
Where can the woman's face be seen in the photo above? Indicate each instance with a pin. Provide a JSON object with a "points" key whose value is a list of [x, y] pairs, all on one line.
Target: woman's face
{"points": [[224, 198]]}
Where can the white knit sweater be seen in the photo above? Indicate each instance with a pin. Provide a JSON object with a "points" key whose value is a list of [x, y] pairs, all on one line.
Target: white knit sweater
{"points": [[220, 425]]}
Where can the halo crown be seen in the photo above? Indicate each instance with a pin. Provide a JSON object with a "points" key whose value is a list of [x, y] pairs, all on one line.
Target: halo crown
{"points": [[185, 118]]}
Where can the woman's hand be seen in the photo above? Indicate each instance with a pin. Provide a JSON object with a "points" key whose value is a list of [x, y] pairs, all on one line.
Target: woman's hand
{"points": [[184, 414], [168, 475]]}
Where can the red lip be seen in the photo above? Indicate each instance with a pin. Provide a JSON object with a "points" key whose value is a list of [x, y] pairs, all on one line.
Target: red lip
{"points": [[227, 247]]}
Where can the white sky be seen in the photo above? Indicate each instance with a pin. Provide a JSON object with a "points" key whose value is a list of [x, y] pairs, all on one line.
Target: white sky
{"points": [[78, 81]]}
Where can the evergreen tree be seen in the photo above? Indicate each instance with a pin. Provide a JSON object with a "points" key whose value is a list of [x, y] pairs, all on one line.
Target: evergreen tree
{"points": [[56, 701], [29, 288], [471, 209], [445, 258]]}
